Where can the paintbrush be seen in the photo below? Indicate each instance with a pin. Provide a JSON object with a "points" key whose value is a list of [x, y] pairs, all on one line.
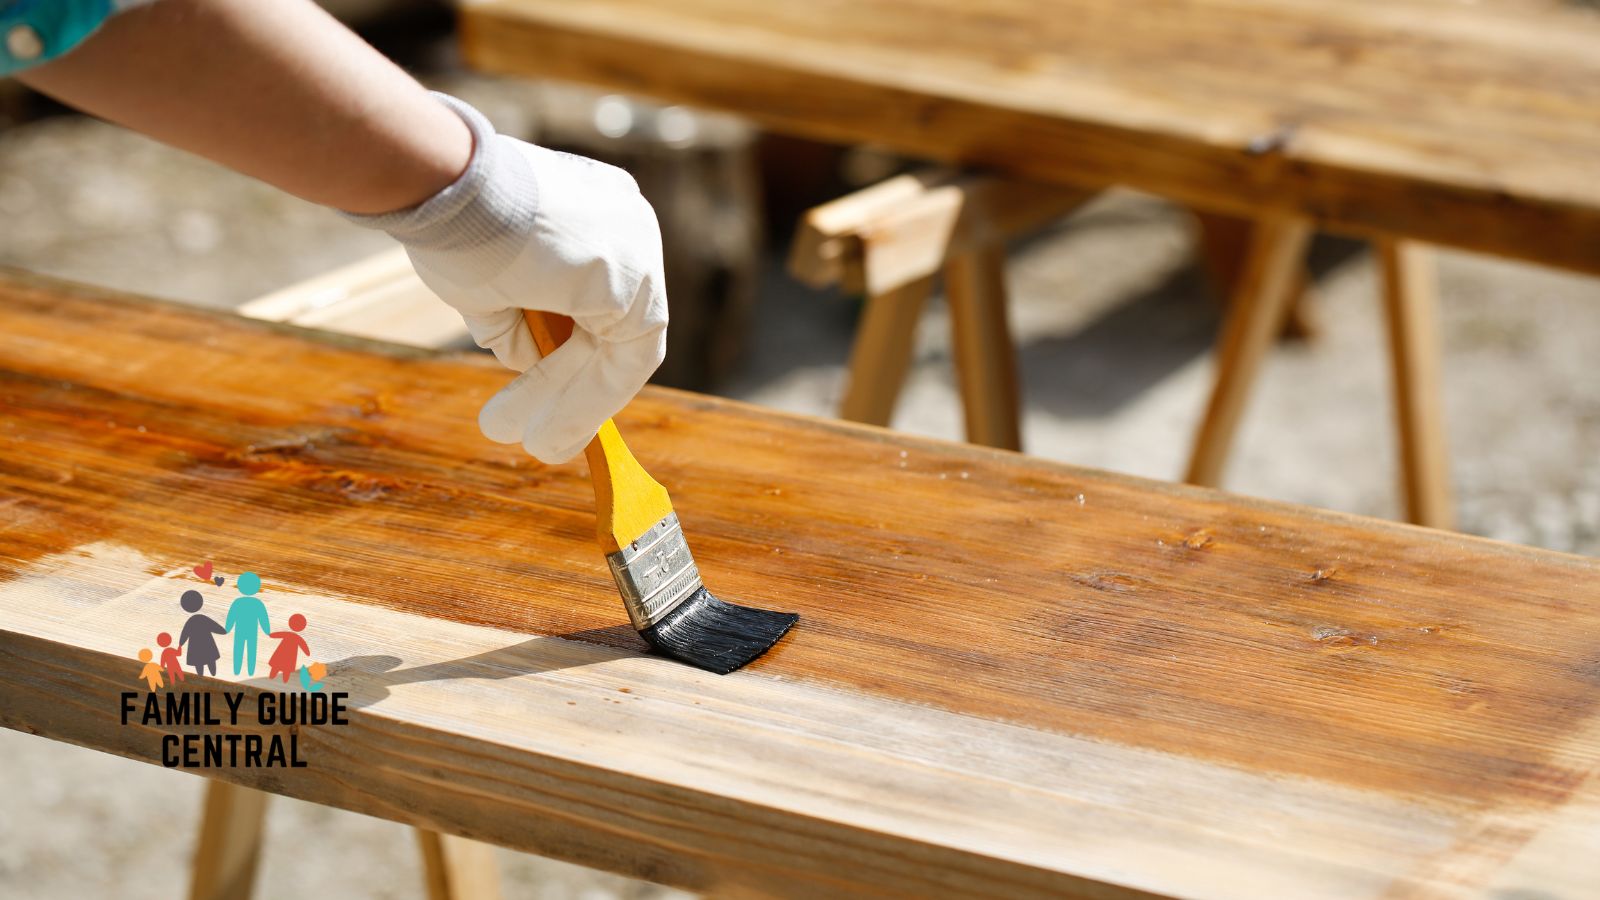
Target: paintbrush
{"points": [[649, 557]]}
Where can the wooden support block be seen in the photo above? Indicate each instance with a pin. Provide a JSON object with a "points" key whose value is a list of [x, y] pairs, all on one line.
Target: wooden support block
{"points": [[1411, 307], [1010, 677], [456, 868], [830, 232], [986, 363], [904, 229], [881, 354], [916, 238], [1261, 298], [228, 851]]}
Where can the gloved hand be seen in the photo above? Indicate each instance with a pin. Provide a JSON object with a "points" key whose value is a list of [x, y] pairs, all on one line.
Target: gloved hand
{"points": [[529, 228]]}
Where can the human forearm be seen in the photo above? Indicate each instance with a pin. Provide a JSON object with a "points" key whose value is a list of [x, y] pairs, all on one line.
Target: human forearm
{"points": [[278, 90]]}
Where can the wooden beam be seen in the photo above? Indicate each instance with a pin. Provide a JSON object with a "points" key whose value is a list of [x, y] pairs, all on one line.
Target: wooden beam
{"points": [[950, 221], [888, 242], [1249, 108], [1010, 676]]}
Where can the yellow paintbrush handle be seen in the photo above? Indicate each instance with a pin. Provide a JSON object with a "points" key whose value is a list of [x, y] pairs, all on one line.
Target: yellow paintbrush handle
{"points": [[627, 500]]}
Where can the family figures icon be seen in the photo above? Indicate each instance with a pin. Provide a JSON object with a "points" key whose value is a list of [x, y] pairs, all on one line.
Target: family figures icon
{"points": [[246, 615], [151, 673], [285, 658], [246, 620], [169, 657]]}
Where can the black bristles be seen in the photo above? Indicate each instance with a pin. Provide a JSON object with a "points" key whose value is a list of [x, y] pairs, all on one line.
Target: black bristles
{"points": [[716, 636]]}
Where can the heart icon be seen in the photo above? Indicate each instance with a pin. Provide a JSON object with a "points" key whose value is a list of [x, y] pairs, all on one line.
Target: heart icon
{"points": [[204, 571], [218, 580]]}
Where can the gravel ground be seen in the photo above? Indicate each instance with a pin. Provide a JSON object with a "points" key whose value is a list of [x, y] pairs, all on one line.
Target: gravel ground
{"points": [[1115, 333]]}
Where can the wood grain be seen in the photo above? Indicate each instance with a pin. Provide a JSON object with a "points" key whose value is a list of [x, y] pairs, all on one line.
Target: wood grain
{"points": [[1472, 126], [1012, 677]]}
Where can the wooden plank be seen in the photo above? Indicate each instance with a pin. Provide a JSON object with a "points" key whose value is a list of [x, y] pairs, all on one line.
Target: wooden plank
{"points": [[1469, 126], [1011, 677], [381, 298]]}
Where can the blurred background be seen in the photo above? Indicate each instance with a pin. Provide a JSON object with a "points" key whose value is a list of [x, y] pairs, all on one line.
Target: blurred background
{"points": [[1113, 315]]}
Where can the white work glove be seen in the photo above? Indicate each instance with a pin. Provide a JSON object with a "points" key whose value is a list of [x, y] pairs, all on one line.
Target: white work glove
{"points": [[529, 228]]}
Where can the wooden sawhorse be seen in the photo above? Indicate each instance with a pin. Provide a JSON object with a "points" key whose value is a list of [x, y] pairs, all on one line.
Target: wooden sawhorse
{"points": [[888, 242], [1271, 266]]}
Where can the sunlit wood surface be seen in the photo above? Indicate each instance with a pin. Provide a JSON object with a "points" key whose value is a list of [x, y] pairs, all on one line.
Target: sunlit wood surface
{"points": [[1475, 125], [1010, 678]]}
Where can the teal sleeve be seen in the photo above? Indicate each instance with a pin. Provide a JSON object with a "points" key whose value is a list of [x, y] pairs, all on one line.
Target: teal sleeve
{"points": [[36, 31]]}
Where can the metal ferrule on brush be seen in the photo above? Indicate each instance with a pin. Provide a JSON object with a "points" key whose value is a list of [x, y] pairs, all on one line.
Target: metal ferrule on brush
{"points": [[655, 573]]}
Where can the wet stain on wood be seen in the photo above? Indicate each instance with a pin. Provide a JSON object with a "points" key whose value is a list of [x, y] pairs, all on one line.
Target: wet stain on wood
{"points": [[1444, 665]]}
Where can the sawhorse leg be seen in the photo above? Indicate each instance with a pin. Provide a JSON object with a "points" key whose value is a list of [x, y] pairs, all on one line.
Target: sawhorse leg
{"points": [[881, 354], [1224, 241], [1267, 286], [229, 850], [230, 843], [986, 364], [1411, 304], [1261, 298], [457, 868]]}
